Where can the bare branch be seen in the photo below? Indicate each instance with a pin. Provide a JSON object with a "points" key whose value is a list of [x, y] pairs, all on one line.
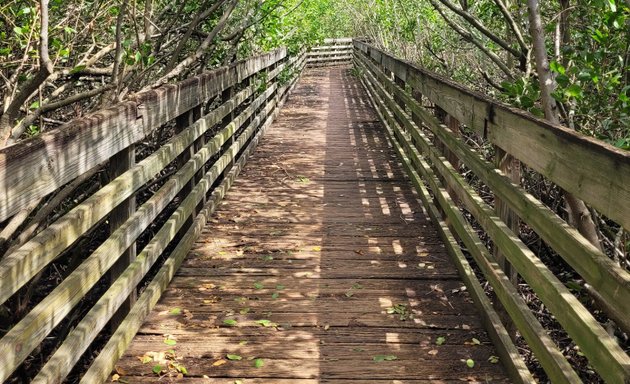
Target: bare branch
{"points": [[481, 28], [470, 38], [45, 69], [513, 26]]}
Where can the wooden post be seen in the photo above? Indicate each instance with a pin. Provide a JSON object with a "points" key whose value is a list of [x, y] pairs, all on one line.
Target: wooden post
{"points": [[182, 122], [511, 167], [118, 164], [199, 143], [398, 100]]}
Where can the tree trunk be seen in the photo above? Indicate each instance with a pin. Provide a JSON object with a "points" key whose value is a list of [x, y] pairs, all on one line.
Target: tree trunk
{"points": [[579, 215]]}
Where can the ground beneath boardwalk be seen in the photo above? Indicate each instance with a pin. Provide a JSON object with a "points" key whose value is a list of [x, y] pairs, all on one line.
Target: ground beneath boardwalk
{"points": [[319, 267]]}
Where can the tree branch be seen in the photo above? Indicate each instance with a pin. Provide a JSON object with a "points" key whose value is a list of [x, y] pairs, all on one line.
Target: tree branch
{"points": [[513, 26], [45, 69], [470, 38], [203, 47], [481, 28]]}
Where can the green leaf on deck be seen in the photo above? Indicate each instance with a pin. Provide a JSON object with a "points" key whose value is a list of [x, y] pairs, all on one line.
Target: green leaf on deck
{"points": [[493, 359], [265, 323], [275, 295], [157, 369], [476, 341], [230, 322], [258, 285], [169, 341], [233, 357], [440, 340], [258, 363], [175, 311], [379, 358], [470, 363]]}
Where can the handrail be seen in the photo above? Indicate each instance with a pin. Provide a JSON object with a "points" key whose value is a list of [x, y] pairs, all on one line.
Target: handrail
{"points": [[333, 52], [210, 143], [581, 165]]}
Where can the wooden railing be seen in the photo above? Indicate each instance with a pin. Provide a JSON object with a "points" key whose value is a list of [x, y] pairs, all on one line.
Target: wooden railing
{"points": [[332, 52], [215, 120], [424, 115]]}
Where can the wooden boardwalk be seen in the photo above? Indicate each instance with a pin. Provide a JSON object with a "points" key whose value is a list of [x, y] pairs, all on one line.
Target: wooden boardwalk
{"points": [[319, 240]]}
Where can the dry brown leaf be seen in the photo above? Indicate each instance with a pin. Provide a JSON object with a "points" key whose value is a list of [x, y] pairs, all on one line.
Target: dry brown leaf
{"points": [[115, 377], [120, 371], [219, 363], [433, 352]]}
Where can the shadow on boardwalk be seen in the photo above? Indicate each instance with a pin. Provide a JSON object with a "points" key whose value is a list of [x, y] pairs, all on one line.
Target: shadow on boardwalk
{"points": [[320, 239]]}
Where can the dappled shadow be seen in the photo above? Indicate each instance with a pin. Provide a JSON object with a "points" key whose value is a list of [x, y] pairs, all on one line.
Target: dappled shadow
{"points": [[319, 239]]}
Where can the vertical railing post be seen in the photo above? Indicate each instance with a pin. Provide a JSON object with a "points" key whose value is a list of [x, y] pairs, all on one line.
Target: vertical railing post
{"points": [[511, 167], [182, 122], [118, 164]]}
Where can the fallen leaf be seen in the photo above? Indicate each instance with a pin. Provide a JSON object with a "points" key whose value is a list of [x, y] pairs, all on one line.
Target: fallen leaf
{"points": [[380, 358], [230, 322], [440, 340], [120, 371], [233, 357], [433, 352], [145, 359], [258, 363], [115, 377], [218, 363], [175, 311], [470, 363]]}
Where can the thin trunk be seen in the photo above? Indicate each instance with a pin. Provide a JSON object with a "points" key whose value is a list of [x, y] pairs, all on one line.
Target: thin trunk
{"points": [[579, 215]]}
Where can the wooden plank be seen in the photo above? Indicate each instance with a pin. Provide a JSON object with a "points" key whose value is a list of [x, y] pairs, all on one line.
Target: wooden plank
{"points": [[558, 149], [50, 311], [337, 41], [31, 169]]}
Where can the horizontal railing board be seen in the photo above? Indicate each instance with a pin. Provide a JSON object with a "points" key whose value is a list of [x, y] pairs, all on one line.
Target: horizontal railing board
{"points": [[332, 47], [31, 169], [343, 40], [602, 178]]}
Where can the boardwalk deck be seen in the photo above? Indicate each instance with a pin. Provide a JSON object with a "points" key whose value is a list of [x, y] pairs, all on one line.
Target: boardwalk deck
{"points": [[321, 236]]}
